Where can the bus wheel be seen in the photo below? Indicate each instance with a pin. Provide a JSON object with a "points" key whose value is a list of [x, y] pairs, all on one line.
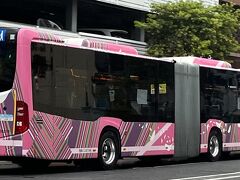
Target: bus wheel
{"points": [[214, 146], [108, 151]]}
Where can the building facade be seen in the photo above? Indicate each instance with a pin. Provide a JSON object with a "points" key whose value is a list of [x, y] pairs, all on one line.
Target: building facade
{"points": [[144, 5], [75, 15]]}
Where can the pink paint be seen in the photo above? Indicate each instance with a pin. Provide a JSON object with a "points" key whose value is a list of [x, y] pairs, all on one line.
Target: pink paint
{"points": [[155, 153], [230, 134], [23, 68], [95, 44], [28, 140], [211, 62], [121, 49], [3, 151], [167, 139], [59, 138]]}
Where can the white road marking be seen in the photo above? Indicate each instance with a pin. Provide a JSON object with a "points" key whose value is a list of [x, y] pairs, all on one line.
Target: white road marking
{"points": [[228, 176]]}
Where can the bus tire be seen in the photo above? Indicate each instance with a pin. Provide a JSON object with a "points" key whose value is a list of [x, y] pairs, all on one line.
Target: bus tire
{"points": [[214, 146], [108, 151]]}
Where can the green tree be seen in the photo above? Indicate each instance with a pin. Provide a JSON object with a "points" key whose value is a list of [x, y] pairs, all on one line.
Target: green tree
{"points": [[190, 28]]}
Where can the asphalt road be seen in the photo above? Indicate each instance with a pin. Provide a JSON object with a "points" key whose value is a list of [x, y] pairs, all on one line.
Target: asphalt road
{"points": [[132, 169]]}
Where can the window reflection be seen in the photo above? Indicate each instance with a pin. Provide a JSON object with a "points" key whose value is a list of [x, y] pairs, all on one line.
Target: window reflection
{"points": [[219, 95], [85, 85]]}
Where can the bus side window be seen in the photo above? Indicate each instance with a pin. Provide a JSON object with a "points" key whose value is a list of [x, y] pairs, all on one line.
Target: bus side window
{"points": [[39, 66], [42, 79], [233, 99], [165, 92], [219, 97], [117, 86], [213, 89], [142, 75], [100, 78], [109, 80]]}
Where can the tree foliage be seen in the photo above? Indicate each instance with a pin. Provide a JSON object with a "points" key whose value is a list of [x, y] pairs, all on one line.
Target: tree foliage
{"points": [[190, 28]]}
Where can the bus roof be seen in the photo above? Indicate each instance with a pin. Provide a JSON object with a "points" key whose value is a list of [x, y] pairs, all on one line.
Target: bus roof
{"points": [[202, 61], [140, 47], [91, 42]]}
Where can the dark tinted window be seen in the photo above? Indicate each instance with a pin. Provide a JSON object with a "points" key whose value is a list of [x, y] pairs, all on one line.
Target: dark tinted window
{"points": [[93, 32], [166, 92], [120, 34], [142, 74], [44, 57], [7, 58], [219, 95], [60, 80], [85, 85], [136, 89]]}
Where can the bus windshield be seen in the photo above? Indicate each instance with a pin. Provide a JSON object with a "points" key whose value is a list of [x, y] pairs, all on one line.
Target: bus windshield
{"points": [[7, 58]]}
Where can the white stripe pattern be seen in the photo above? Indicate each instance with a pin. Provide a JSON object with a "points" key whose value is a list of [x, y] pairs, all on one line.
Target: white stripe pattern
{"points": [[155, 138], [14, 143]]}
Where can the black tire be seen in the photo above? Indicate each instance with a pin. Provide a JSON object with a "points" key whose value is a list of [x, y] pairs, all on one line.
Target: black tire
{"points": [[108, 151], [214, 146]]}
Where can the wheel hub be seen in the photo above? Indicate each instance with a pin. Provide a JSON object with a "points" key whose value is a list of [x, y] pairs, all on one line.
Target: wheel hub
{"points": [[108, 151], [214, 146]]}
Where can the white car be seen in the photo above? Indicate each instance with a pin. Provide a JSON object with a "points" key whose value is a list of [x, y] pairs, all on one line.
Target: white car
{"points": [[107, 32]]}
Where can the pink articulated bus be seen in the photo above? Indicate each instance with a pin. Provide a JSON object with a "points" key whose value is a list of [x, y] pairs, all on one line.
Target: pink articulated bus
{"points": [[65, 98]]}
